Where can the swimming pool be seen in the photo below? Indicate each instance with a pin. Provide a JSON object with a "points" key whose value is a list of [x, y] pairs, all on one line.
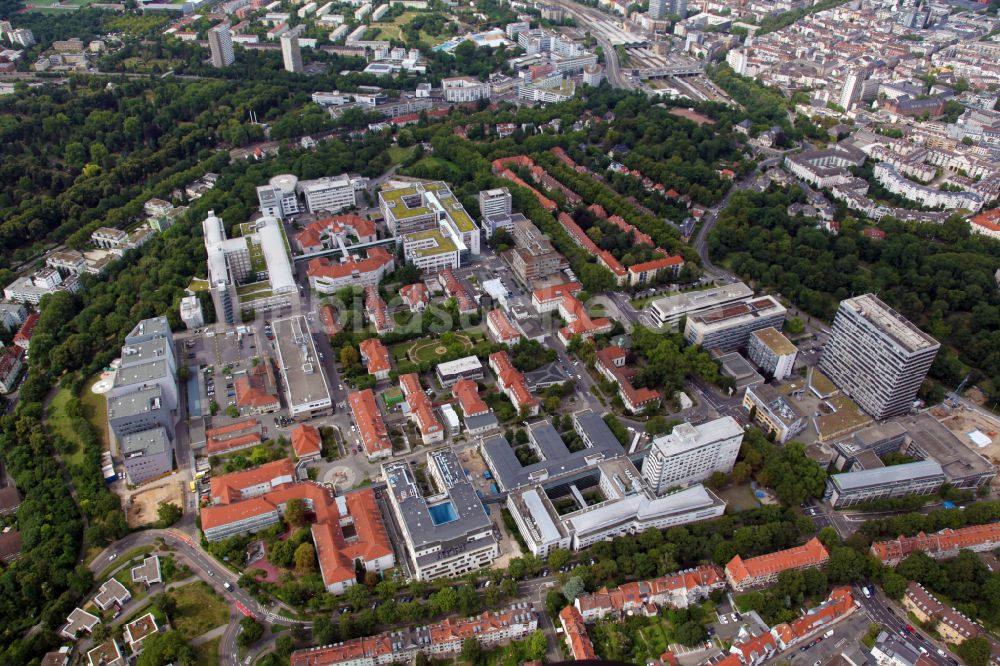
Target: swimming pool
{"points": [[443, 513]]}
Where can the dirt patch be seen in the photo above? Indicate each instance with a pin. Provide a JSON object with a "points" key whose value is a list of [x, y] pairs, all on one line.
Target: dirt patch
{"points": [[142, 503]]}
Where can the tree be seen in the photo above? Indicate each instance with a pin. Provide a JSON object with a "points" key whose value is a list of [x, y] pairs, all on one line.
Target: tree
{"points": [[284, 645], [690, 633], [168, 514], [232, 411], [975, 651], [573, 588], [444, 600], [349, 357], [894, 585], [558, 558], [295, 512], [472, 650], [166, 647], [251, 631], [305, 558]]}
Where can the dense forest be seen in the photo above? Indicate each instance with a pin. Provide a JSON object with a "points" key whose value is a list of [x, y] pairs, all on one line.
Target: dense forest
{"points": [[936, 275]]}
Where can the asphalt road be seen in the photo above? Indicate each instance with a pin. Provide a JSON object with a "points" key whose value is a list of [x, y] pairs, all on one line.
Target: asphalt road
{"points": [[892, 619]]}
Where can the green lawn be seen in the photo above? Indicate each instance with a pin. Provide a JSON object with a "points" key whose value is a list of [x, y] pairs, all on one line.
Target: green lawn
{"points": [[199, 609], [62, 425], [399, 155]]}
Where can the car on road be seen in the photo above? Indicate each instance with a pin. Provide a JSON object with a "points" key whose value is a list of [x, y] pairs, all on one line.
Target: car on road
{"points": [[909, 628], [210, 572], [112, 557], [228, 586]]}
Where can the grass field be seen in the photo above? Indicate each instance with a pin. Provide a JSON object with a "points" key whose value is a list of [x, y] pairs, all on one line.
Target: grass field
{"points": [[62, 425], [426, 349], [207, 654], [393, 29], [199, 609], [739, 498], [399, 155]]}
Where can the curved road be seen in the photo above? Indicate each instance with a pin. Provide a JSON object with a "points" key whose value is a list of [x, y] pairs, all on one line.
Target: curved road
{"points": [[208, 569]]}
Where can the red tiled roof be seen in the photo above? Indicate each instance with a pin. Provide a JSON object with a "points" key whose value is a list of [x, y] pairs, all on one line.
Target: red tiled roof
{"points": [[306, 441], [414, 294], [312, 234], [467, 393], [369, 542], [238, 426], [556, 292], [577, 639], [215, 446], [251, 388], [456, 290], [323, 268], [375, 355], [226, 489], [374, 434], [640, 237], [811, 554], [23, 336], [657, 264], [989, 220], [511, 379], [505, 330], [944, 541], [420, 404], [328, 319]]}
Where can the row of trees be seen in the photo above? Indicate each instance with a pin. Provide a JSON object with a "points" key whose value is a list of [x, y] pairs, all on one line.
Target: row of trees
{"points": [[935, 275]]}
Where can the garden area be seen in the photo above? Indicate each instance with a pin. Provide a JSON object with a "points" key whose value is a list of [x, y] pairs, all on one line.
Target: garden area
{"points": [[430, 350], [198, 609]]}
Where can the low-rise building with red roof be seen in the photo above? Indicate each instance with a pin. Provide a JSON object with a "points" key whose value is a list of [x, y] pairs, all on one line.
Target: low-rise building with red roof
{"points": [[375, 357], [764, 569], [465, 301], [941, 545], [467, 393], [610, 362], [575, 631], [24, 334], [491, 628], [307, 442], [415, 296], [648, 271], [328, 320], [377, 311], [327, 277], [986, 224], [371, 426], [501, 329], [512, 383], [256, 392], [331, 232], [838, 605], [677, 590], [420, 408], [752, 649], [11, 363], [233, 436]]}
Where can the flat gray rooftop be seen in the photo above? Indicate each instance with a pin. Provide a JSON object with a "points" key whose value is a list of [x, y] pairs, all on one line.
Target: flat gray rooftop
{"points": [[883, 475], [300, 367], [146, 351], [556, 458], [141, 373], [138, 402], [470, 517], [147, 329], [147, 443]]}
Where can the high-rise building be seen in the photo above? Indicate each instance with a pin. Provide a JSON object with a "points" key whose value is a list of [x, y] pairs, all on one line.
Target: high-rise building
{"points": [[853, 86], [658, 8], [692, 453], [291, 53], [494, 201], [220, 42], [876, 356]]}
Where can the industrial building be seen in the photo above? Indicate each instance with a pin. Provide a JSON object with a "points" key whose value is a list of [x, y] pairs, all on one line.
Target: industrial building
{"points": [[446, 530], [877, 357]]}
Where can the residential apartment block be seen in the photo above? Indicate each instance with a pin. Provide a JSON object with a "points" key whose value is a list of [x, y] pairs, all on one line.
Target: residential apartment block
{"points": [[951, 625], [772, 352], [420, 408], [462, 89], [692, 453], [511, 381], [764, 569], [940, 545], [491, 629], [876, 356]]}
